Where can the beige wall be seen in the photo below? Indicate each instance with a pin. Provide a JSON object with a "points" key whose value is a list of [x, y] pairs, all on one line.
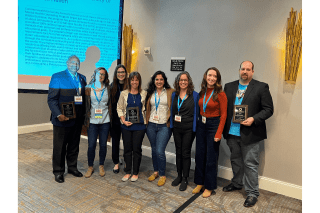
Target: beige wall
{"points": [[33, 109], [223, 34]]}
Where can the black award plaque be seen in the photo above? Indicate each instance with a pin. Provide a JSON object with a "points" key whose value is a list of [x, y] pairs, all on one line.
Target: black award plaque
{"points": [[133, 114], [240, 113], [68, 109]]}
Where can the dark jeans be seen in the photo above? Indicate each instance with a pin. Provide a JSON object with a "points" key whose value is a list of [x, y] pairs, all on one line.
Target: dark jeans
{"points": [[115, 133], [94, 130], [245, 162], [159, 135], [207, 154], [183, 139], [66, 146], [132, 142]]}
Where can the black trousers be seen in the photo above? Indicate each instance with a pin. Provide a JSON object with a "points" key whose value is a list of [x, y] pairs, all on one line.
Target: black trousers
{"points": [[183, 139], [115, 133], [66, 145], [132, 142]]}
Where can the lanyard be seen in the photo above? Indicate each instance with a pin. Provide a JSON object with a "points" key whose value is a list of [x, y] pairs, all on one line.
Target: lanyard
{"points": [[179, 105], [97, 96], [204, 101], [76, 79], [155, 100]]}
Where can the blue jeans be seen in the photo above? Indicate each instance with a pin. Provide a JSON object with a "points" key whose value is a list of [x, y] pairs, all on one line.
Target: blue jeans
{"points": [[207, 154], [159, 135], [94, 130], [245, 162]]}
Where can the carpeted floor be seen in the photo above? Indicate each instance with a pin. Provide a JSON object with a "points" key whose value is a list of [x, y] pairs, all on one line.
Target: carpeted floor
{"points": [[38, 192]]}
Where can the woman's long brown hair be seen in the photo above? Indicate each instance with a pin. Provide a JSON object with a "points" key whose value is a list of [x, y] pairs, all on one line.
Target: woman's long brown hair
{"points": [[115, 82], [217, 86]]}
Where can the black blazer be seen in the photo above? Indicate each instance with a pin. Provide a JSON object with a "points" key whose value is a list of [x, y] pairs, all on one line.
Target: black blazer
{"points": [[260, 107]]}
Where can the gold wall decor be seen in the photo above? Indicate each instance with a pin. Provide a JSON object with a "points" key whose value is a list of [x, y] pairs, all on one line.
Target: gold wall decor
{"points": [[293, 46], [127, 39]]}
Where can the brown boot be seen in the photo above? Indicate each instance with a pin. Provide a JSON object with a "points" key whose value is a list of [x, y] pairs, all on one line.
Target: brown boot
{"points": [[101, 171], [89, 172]]}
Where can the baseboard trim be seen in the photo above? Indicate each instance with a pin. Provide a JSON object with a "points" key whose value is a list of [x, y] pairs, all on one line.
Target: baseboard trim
{"points": [[269, 184], [34, 128]]}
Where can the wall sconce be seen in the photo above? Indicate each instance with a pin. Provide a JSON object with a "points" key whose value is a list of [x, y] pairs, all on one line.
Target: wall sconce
{"points": [[293, 46], [147, 50]]}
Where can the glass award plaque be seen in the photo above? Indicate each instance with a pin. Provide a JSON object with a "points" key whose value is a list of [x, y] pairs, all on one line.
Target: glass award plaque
{"points": [[133, 114], [68, 109], [240, 113]]}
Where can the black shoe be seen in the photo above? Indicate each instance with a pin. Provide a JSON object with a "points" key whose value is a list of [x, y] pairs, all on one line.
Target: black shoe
{"points": [[75, 173], [184, 184], [116, 171], [59, 178], [250, 201], [230, 188], [176, 181]]}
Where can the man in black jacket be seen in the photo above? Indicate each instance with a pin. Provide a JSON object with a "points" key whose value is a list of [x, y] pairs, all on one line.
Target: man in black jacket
{"points": [[244, 138]]}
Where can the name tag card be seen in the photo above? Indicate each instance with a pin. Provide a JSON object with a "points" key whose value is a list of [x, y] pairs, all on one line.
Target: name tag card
{"points": [[98, 113], [156, 117], [78, 100], [177, 118], [204, 119]]}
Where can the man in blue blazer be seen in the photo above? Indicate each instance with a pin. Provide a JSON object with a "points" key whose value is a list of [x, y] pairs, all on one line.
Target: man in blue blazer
{"points": [[66, 86], [244, 138]]}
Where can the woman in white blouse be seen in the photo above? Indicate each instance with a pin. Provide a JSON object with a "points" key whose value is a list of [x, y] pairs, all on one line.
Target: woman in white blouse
{"points": [[158, 120]]}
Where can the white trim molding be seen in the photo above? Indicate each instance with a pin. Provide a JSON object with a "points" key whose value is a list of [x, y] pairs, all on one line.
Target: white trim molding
{"points": [[34, 128]]}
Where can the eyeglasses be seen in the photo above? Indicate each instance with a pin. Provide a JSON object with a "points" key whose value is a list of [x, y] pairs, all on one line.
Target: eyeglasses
{"points": [[121, 72], [182, 80], [102, 74]]}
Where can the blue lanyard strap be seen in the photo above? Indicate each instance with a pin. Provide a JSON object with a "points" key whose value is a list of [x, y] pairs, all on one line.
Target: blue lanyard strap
{"points": [[76, 79], [204, 101], [155, 100], [96, 94], [179, 105]]}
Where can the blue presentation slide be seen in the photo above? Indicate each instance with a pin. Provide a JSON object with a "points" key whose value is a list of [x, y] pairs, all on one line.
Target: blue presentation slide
{"points": [[49, 31]]}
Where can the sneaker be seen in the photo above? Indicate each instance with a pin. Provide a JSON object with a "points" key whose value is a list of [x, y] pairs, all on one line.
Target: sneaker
{"points": [[89, 172], [197, 189], [162, 181], [101, 171], [153, 177], [176, 181]]}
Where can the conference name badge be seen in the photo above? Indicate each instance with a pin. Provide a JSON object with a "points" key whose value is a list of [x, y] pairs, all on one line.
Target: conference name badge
{"points": [[78, 100], [98, 113], [156, 117], [177, 118], [204, 119]]}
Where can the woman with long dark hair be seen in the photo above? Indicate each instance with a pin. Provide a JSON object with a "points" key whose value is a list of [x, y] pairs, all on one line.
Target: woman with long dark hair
{"points": [[97, 117], [119, 83], [158, 120], [131, 105], [213, 114], [183, 120]]}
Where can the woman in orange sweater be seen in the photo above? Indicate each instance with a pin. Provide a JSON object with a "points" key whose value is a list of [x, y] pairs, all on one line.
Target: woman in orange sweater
{"points": [[213, 114]]}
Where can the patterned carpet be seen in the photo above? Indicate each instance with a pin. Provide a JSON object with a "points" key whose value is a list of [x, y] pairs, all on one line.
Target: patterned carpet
{"points": [[38, 192]]}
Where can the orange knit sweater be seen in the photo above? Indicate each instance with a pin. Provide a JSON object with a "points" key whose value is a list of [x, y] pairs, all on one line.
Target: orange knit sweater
{"points": [[215, 109]]}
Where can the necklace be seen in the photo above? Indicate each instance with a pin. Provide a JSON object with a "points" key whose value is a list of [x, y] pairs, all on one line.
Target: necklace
{"points": [[134, 98]]}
